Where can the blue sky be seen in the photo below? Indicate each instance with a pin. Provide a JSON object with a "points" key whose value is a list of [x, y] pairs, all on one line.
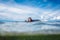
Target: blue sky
{"points": [[18, 10]]}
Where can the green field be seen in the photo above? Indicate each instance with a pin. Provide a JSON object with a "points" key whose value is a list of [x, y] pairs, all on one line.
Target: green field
{"points": [[31, 37]]}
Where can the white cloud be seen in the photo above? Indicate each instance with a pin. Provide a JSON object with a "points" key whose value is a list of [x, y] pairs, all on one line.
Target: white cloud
{"points": [[16, 13], [21, 12]]}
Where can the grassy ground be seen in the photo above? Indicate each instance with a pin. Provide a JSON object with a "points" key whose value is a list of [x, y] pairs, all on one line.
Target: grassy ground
{"points": [[31, 37]]}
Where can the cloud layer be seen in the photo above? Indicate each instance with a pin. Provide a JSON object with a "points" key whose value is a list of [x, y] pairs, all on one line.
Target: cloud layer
{"points": [[18, 12]]}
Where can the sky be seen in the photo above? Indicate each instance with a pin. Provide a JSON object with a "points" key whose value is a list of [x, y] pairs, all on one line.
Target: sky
{"points": [[19, 10]]}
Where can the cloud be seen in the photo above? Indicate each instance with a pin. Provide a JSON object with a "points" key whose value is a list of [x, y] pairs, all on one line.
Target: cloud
{"points": [[16, 13], [21, 12]]}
